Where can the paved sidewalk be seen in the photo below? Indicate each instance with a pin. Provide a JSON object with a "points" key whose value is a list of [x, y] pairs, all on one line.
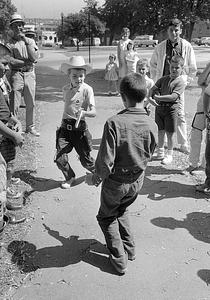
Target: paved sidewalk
{"points": [[170, 221]]}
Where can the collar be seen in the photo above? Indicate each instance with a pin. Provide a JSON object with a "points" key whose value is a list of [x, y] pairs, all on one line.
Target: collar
{"points": [[174, 44]]}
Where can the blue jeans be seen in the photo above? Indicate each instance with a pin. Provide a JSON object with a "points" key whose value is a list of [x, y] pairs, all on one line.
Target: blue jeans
{"points": [[113, 217], [65, 142]]}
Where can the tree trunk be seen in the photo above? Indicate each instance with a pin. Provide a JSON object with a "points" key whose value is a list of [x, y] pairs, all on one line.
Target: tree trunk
{"points": [[77, 45]]}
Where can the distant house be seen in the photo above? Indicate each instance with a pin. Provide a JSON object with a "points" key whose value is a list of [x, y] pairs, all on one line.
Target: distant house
{"points": [[45, 30]]}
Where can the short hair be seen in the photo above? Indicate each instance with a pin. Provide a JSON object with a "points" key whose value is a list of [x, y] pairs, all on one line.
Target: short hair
{"points": [[125, 29], [130, 43], [112, 55], [133, 86], [175, 22], [143, 61], [177, 59]]}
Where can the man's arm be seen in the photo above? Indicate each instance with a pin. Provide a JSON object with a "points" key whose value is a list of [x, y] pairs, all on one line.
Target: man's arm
{"points": [[206, 103], [192, 66], [16, 137]]}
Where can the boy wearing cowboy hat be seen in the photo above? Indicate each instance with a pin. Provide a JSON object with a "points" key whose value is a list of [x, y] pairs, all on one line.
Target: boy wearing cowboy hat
{"points": [[73, 132]]}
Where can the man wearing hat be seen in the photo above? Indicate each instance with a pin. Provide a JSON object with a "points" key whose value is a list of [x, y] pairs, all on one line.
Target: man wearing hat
{"points": [[160, 65], [73, 132], [23, 81]]}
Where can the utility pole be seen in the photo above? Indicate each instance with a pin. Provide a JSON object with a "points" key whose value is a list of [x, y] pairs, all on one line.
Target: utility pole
{"points": [[89, 33], [62, 31]]}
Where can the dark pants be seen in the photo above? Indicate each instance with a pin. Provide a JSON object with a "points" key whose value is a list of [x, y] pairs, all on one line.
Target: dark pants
{"points": [[207, 154], [66, 140], [113, 217]]}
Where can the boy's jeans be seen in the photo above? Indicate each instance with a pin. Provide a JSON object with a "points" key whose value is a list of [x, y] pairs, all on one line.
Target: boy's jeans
{"points": [[113, 217]]}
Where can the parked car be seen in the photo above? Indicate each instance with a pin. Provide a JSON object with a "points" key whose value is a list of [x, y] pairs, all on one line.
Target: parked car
{"points": [[205, 41], [145, 40]]}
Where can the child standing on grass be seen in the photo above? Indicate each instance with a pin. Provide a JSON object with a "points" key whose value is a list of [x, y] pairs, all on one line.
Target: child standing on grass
{"points": [[131, 57], [128, 142], [111, 75], [166, 94], [73, 132], [142, 67]]}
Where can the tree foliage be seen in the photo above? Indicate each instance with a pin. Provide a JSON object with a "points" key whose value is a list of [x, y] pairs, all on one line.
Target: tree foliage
{"points": [[80, 26], [6, 10], [152, 16]]}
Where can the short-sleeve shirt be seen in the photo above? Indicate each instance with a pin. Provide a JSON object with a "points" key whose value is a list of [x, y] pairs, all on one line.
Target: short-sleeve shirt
{"points": [[166, 86], [77, 98], [19, 50]]}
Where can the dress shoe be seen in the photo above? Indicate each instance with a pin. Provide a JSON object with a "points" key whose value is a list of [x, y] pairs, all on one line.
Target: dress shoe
{"points": [[14, 219], [12, 206]]}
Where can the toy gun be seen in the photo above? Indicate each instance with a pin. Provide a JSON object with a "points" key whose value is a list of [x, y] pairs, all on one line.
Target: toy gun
{"points": [[78, 119]]}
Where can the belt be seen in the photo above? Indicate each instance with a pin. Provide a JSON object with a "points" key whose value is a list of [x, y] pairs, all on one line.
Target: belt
{"points": [[166, 104], [70, 125]]}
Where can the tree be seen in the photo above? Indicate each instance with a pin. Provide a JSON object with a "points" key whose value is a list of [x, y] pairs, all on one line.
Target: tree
{"points": [[151, 17], [6, 10], [77, 26]]}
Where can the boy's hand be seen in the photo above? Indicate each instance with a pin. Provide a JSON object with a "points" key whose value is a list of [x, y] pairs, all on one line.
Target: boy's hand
{"points": [[92, 179], [153, 102], [18, 139]]}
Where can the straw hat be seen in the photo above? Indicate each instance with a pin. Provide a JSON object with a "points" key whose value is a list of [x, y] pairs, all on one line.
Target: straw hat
{"points": [[16, 18], [75, 62]]}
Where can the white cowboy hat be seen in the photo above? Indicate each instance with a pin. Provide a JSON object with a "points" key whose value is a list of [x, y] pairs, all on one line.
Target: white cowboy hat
{"points": [[75, 62], [16, 18]]}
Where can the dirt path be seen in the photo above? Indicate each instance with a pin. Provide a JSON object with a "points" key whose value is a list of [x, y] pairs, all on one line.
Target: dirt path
{"points": [[171, 223]]}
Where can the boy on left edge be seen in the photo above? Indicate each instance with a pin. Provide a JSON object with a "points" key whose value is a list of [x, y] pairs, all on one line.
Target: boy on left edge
{"points": [[79, 104]]}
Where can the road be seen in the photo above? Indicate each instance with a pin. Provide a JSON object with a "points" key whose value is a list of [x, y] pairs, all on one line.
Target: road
{"points": [[170, 220]]}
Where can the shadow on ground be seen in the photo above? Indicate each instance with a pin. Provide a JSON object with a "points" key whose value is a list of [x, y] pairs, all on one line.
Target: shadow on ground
{"points": [[40, 184], [204, 275], [72, 251], [196, 223], [162, 186]]}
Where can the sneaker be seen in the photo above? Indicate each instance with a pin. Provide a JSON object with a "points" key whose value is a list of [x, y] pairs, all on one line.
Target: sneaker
{"points": [[203, 188], [167, 160], [33, 132], [117, 267], [13, 194], [67, 184], [184, 149]]}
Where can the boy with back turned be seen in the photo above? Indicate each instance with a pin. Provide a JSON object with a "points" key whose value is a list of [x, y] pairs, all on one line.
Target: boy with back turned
{"points": [[128, 142]]}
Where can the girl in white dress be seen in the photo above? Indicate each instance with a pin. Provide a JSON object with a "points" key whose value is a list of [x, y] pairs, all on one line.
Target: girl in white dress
{"points": [[111, 74], [121, 51]]}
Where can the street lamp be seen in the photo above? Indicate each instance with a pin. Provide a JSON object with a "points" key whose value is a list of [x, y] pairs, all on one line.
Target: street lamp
{"points": [[62, 33]]}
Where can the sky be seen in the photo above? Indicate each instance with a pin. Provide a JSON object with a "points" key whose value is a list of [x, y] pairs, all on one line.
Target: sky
{"points": [[48, 8]]}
